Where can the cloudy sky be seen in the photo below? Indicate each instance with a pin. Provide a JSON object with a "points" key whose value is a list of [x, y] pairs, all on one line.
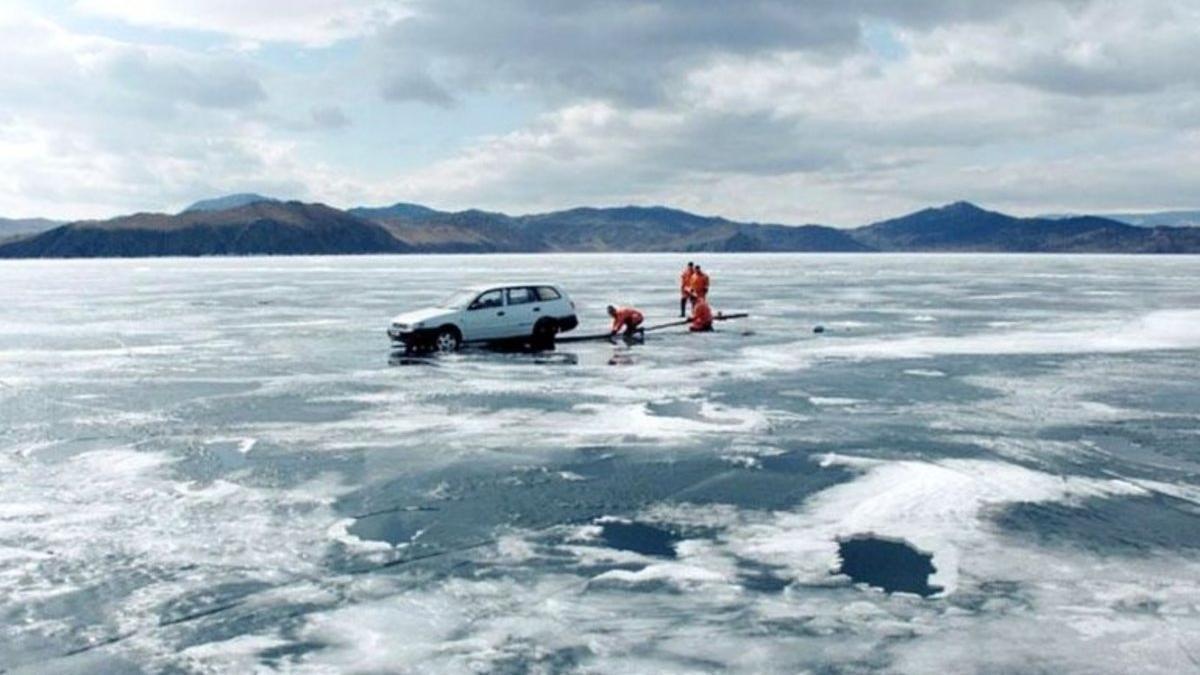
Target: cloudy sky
{"points": [[833, 111]]}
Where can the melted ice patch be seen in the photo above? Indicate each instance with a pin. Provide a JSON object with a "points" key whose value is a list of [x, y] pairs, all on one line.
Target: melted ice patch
{"points": [[938, 507], [641, 616]]}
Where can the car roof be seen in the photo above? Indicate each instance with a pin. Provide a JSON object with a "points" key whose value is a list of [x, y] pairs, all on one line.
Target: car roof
{"points": [[510, 284]]}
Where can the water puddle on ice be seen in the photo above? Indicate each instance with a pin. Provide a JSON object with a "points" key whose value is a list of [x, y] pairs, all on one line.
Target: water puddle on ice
{"points": [[639, 538], [891, 565]]}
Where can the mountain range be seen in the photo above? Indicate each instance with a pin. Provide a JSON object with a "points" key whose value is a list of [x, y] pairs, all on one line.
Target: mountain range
{"points": [[18, 227], [228, 202], [1149, 219], [248, 224], [966, 227], [258, 228]]}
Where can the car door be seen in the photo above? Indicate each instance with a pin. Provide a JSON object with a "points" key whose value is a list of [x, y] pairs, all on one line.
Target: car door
{"points": [[523, 310], [552, 302], [486, 317]]}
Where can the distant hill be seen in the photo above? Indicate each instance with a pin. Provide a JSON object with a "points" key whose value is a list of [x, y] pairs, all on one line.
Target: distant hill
{"points": [[657, 228], [626, 228], [397, 210], [15, 227], [261, 228], [227, 202], [1150, 219], [287, 228], [966, 227], [471, 231]]}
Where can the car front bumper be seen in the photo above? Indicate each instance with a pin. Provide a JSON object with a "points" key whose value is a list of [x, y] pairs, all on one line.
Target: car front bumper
{"points": [[410, 336]]}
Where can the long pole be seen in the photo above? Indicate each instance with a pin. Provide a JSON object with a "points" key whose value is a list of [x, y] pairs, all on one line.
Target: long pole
{"points": [[684, 322], [647, 329]]}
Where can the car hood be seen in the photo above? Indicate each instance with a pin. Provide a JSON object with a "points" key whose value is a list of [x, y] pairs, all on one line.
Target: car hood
{"points": [[426, 314]]}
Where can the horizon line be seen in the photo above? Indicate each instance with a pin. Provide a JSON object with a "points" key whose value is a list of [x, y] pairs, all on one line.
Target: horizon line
{"points": [[266, 198]]}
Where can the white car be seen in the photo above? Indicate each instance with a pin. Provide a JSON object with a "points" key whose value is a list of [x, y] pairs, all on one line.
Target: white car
{"points": [[520, 312]]}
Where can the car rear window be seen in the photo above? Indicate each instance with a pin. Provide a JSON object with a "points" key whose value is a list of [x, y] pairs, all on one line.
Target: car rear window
{"points": [[547, 293], [521, 296]]}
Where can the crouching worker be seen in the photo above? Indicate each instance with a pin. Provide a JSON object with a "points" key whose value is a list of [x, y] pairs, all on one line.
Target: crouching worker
{"points": [[702, 316], [627, 319]]}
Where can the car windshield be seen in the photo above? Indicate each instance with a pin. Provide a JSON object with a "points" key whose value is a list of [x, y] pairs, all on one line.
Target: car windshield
{"points": [[460, 299]]}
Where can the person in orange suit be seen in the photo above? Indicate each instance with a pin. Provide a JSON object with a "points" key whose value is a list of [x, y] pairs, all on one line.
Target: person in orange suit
{"points": [[702, 316], [700, 283], [685, 288], [628, 319]]}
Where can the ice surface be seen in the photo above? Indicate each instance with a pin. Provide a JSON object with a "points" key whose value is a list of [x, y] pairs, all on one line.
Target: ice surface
{"points": [[211, 466]]}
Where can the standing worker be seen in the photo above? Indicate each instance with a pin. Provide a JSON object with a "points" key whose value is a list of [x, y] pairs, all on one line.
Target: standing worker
{"points": [[702, 316], [700, 283], [685, 288], [627, 318]]}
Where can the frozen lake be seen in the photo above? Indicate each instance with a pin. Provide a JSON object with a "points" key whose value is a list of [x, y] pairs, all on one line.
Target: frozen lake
{"points": [[216, 465]]}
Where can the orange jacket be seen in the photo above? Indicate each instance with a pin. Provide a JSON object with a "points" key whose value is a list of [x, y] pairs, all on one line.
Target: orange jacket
{"points": [[700, 285], [702, 316], [685, 280], [626, 316]]}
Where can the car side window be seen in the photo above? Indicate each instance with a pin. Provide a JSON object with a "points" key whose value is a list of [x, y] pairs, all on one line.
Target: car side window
{"points": [[521, 296], [488, 300], [547, 293]]}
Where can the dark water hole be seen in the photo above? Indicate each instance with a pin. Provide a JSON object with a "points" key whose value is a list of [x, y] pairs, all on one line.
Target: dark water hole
{"points": [[639, 538], [891, 565]]}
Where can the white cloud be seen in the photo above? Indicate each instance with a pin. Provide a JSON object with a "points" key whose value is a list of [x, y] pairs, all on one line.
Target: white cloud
{"points": [[1033, 106], [329, 117], [794, 136], [416, 86], [634, 51], [1109, 48], [96, 126], [310, 22]]}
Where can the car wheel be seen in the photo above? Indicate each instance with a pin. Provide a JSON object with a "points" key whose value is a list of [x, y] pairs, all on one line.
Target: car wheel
{"points": [[448, 339], [544, 332]]}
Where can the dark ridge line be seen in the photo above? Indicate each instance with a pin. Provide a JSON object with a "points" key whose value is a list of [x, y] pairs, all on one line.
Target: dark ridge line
{"points": [[398, 509], [203, 613], [111, 640]]}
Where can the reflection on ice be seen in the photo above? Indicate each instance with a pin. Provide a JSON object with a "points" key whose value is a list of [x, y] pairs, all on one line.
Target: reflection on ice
{"points": [[515, 356]]}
